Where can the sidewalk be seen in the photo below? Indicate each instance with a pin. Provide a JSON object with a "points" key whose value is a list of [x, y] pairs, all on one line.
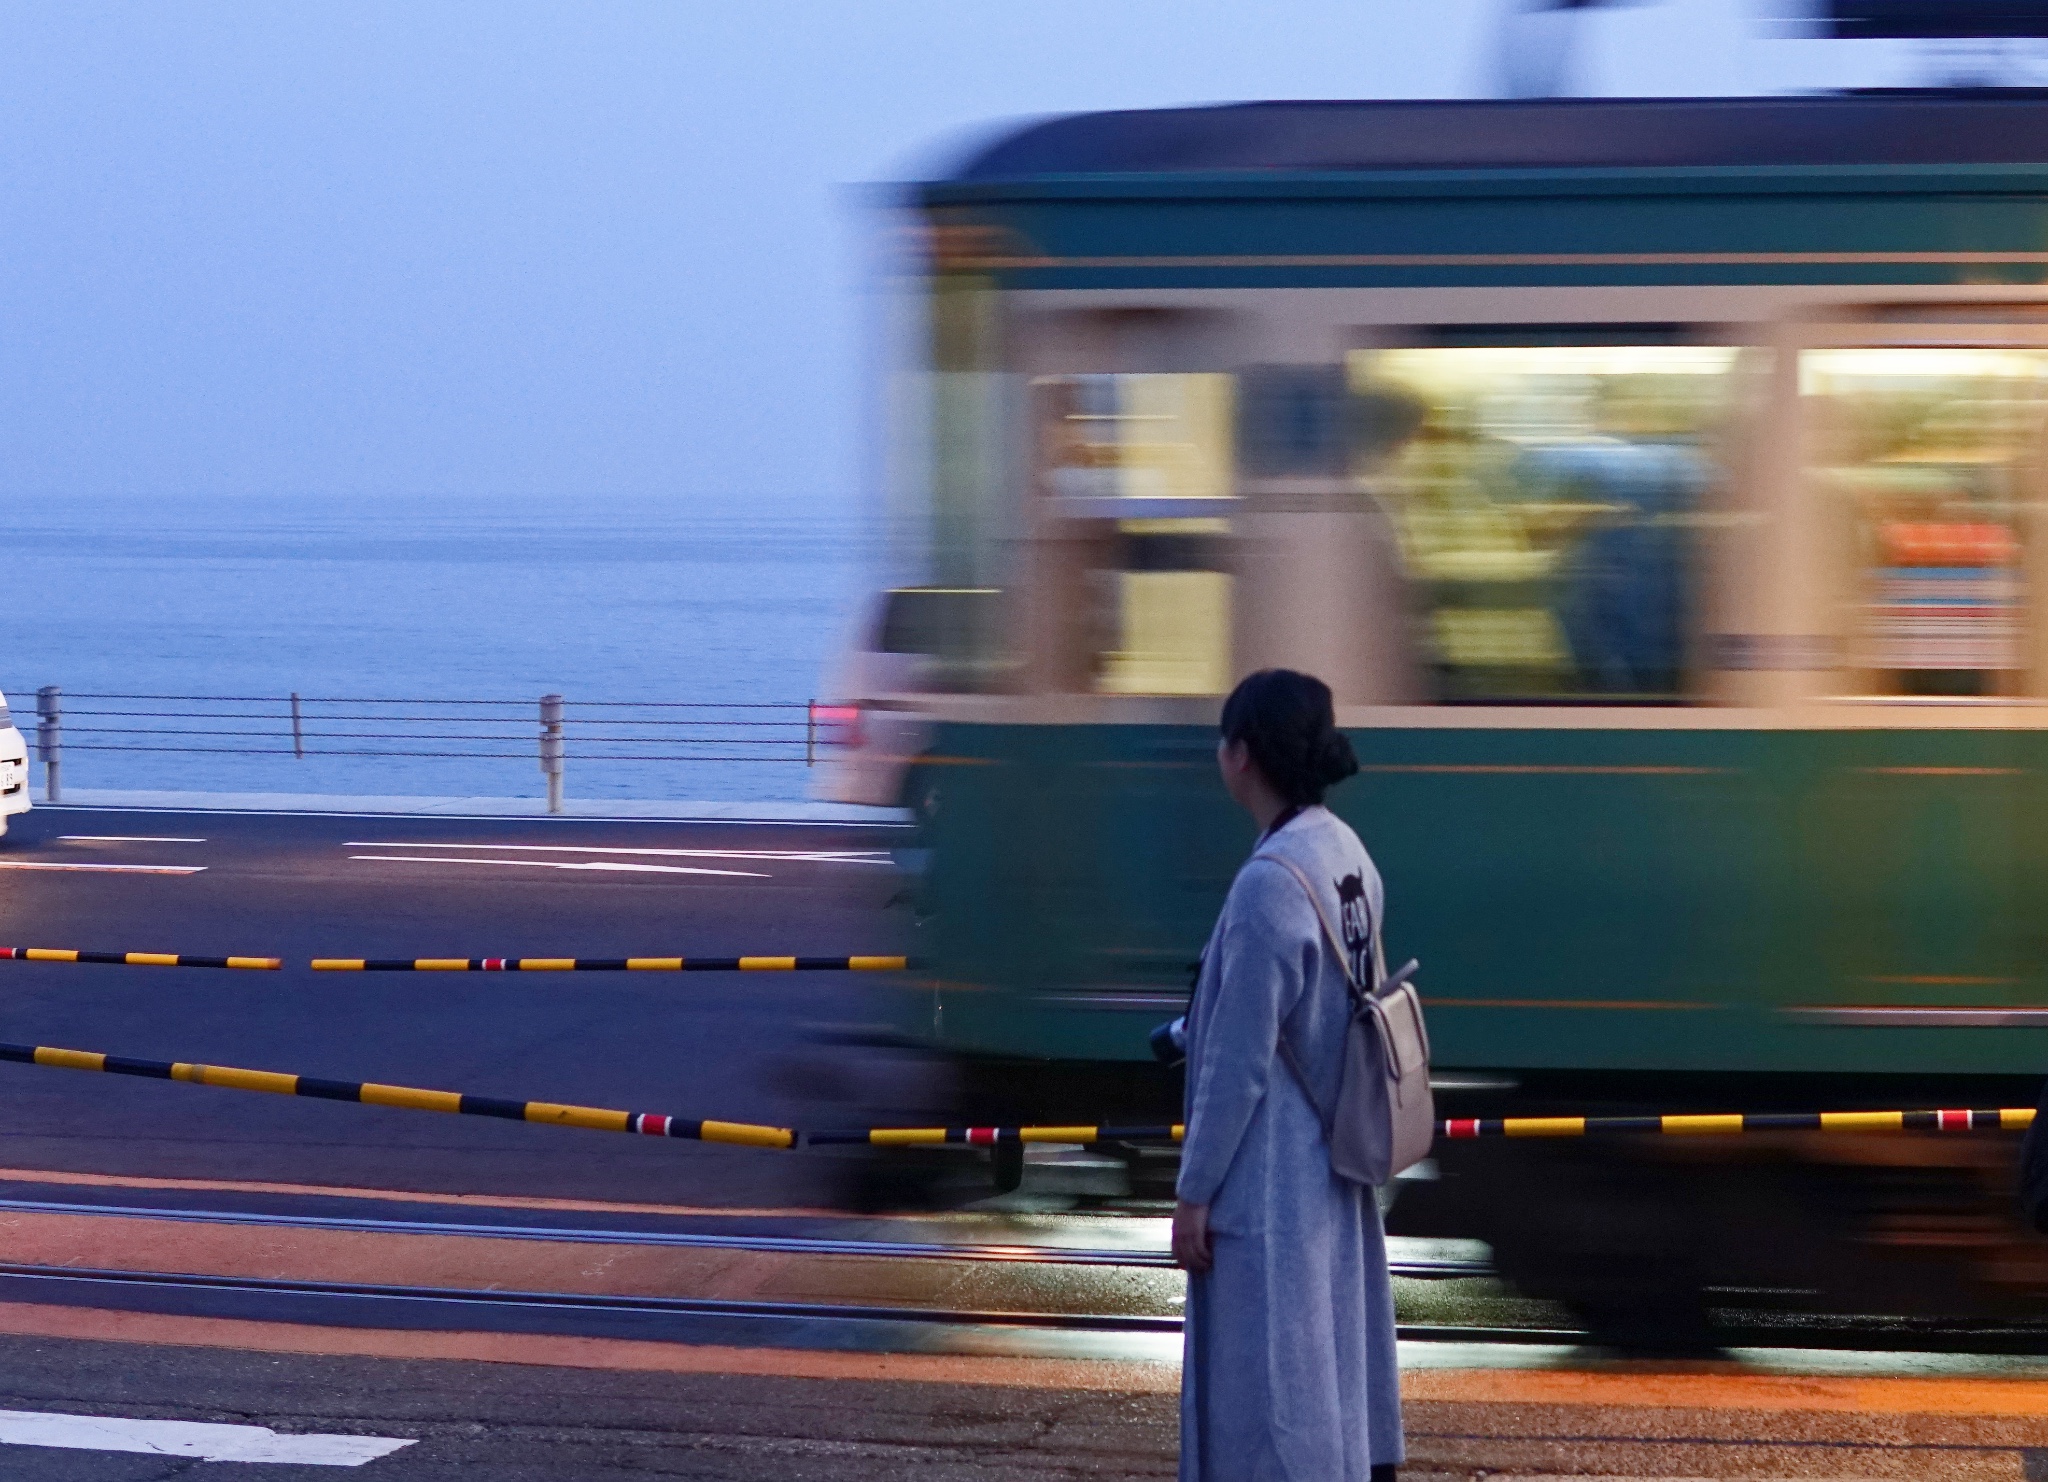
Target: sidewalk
{"points": [[694, 811]]}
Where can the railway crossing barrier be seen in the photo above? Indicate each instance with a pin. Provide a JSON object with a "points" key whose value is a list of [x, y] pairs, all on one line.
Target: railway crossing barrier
{"points": [[989, 1137], [1455, 1129], [475, 964], [411, 1098], [750, 1134], [136, 959], [610, 964], [1999, 1119]]}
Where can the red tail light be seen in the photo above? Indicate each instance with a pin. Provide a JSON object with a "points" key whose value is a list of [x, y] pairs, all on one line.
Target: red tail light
{"points": [[838, 725]]}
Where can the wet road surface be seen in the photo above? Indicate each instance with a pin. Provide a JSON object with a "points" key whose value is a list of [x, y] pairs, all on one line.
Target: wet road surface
{"points": [[730, 1046], [333, 1194], [559, 1409]]}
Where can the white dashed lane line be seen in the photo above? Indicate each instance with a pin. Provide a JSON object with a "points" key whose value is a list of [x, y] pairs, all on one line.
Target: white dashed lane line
{"points": [[795, 856], [121, 839], [197, 1440], [561, 864]]}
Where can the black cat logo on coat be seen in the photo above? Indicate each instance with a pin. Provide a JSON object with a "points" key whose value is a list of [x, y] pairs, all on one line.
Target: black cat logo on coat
{"points": [[1354, 919]]}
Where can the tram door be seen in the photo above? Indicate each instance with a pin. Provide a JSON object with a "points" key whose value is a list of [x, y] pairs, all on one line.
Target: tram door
{"points": [[1925, 826]]}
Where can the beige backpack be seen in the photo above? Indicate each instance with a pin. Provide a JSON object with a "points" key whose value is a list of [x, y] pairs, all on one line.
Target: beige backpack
{"points": [[1385, 1117]]}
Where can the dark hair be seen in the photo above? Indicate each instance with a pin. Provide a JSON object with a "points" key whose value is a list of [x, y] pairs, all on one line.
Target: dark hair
{"points": [[1288, 724]]}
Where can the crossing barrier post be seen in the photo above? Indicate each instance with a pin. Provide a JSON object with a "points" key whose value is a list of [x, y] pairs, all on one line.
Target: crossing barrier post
{"points": [[551, 748], [50, 741]]}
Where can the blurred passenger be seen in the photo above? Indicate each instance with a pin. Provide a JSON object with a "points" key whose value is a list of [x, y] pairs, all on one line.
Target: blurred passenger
{"points": [[1289, 1368], [1625, 597]]}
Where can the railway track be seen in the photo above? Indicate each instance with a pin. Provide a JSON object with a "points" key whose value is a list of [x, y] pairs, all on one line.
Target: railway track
{"points": [[433, 1307], [486, 1298], [837, 1325], [975, 1251], [819, 1324]]}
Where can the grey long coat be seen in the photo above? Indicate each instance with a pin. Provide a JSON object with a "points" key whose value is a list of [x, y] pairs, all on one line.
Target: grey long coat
{"points": [[1289, 1371]]}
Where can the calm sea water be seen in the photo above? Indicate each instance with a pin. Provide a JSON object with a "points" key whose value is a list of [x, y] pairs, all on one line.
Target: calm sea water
{"points": [[462, 599]]}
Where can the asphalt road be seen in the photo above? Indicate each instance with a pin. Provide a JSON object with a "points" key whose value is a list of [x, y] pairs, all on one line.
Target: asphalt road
{"points": [[750, 1047], [521, 1423], [534, 1404], [521, 1420]]}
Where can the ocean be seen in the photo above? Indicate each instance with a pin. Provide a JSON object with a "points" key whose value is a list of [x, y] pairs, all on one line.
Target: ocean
{"points": [[471, 599]]}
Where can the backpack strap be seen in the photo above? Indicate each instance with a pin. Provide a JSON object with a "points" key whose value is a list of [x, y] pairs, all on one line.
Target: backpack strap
{"points": [[1358, 995]]}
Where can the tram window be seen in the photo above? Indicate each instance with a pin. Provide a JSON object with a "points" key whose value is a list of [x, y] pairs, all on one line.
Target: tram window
{"points": [[1929, 458], [1292, 421], [1137, 436], [1169, 629], [1545, 501], [1141, 456]]}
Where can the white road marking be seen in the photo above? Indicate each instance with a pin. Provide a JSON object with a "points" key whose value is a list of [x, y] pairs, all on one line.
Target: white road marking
{"points": [[561, 864], [812, 856], [196, 1439], [117, 869], [122, 839]]}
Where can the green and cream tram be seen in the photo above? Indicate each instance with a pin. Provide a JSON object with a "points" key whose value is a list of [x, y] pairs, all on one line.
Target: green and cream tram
{"points": [[1661, 486]]}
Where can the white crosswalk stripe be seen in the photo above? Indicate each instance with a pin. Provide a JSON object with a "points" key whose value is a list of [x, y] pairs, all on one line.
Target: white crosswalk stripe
{"points": [[199, 1440]]}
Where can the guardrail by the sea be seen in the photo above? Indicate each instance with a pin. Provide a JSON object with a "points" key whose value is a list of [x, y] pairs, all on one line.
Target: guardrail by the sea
{"points": [[553, 730]]}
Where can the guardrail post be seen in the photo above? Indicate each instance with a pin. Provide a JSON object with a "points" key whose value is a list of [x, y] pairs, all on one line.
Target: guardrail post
{"points": [[551, 748], [810, 732], [50, 740], [298, 729]]}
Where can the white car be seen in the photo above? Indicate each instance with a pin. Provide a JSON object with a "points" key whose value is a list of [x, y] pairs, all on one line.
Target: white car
{"points": [[909, 643], [13, 768]]}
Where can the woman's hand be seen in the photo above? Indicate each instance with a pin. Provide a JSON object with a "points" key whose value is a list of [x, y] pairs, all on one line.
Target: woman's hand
{"points": [[1191, 1250]]}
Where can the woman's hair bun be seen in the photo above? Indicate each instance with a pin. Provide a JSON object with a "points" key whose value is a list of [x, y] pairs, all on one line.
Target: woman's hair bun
{"points": [[1338, 759], [1288, 723]]}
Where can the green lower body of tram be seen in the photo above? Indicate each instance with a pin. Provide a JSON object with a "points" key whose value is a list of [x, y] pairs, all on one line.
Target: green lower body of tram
{"points": [[1644, 900]]}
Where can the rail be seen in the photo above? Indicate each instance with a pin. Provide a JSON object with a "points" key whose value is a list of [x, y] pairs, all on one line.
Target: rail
{"points": [[550, 1306], [554, 731], [1006, 1253], [843, 1324]]}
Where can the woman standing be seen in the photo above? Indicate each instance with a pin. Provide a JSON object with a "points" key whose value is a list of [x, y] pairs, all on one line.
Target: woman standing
{"points": [[1289, 1369]]}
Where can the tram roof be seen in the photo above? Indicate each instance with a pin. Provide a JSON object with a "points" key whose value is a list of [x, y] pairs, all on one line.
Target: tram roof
{"points": [[1841, 129]]}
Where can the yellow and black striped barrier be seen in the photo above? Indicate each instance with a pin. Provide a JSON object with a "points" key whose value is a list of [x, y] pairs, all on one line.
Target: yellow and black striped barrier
{"points": [[2000, 1119], [2003, 1119], [610, 964], [650, 1124], [748, 1134], [136, 959], [988, 1137]]}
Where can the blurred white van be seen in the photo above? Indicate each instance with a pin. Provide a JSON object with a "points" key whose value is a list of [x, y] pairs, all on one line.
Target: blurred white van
{"points": [[13, 768], [908, 644]]}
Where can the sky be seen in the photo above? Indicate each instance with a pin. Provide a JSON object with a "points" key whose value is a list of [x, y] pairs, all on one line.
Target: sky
{"points": [[596, 249]]}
